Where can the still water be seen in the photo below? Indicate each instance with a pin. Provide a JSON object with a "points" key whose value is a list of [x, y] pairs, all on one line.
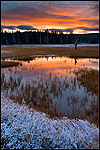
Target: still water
{"points": [[52, 71]]}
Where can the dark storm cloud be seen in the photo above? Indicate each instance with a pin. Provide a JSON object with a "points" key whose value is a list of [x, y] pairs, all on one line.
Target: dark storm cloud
{"points": [[65, 17], [82, 28], [8, 27], [72, 29], [88, 29], [91, 22], [25, 27], [26, 12], [21, 27]]}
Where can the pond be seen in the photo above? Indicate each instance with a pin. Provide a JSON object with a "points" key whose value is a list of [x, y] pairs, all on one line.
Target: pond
{"points": [[50, 84]]}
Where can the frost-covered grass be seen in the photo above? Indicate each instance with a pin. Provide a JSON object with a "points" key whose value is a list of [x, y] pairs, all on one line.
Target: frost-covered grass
{"points": [[22, 127]]}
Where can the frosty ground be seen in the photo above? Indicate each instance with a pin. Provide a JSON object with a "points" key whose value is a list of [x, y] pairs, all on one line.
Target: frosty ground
{"points": [[22, 127], [51, 45]]}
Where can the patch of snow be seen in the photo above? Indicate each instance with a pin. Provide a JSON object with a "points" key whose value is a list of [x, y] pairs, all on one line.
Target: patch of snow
{"points": [[83, 44], [51, 45], [22, 127]]}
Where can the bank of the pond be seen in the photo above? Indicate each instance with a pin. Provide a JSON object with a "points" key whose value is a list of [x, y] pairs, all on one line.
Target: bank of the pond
{"points": [[5, 64], [24, 128]]}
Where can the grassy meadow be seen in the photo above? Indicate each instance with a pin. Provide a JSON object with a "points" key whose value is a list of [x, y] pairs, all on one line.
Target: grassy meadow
{"points": [[21, 52]]}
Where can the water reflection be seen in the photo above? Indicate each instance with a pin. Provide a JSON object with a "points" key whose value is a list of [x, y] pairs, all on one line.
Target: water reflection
{"points": [[55, 77], [57, 65], [76, 60]]}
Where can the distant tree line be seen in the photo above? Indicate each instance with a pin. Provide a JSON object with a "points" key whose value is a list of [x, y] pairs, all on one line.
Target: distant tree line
{"points": [[92, 38], [30, 37]]}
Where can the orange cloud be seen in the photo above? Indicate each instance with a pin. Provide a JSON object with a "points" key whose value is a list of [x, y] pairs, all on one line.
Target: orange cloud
{"points": [[62, 15]]}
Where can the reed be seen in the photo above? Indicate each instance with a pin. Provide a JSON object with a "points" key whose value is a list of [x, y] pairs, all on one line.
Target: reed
{"points": [[41, 96], [89, 79]]}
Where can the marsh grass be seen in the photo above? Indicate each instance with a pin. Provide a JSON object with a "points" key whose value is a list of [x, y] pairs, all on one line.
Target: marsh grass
{"points": [[30, 94], [89, 79], [41, 96]]}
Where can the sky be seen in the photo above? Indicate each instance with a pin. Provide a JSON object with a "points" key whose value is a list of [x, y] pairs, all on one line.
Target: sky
{"points": [[66, 16]]}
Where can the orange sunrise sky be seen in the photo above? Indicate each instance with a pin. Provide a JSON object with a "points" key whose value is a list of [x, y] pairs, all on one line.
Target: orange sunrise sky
{"points": [[76, 16]]}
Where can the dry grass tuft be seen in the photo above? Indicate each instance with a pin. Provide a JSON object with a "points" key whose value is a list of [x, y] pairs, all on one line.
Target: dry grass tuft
{"points": [[89, 79]]}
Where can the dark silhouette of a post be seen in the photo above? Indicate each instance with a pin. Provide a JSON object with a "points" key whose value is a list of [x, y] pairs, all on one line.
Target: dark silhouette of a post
{"points": [[76, 42], [75, 60]]}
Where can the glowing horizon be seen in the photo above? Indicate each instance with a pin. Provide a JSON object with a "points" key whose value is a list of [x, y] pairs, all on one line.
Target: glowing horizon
{"points": [[77, 16]]}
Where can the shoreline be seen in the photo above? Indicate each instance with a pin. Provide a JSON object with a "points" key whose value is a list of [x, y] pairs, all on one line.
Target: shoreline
{"points": [[40, 131], [52, 45]]}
